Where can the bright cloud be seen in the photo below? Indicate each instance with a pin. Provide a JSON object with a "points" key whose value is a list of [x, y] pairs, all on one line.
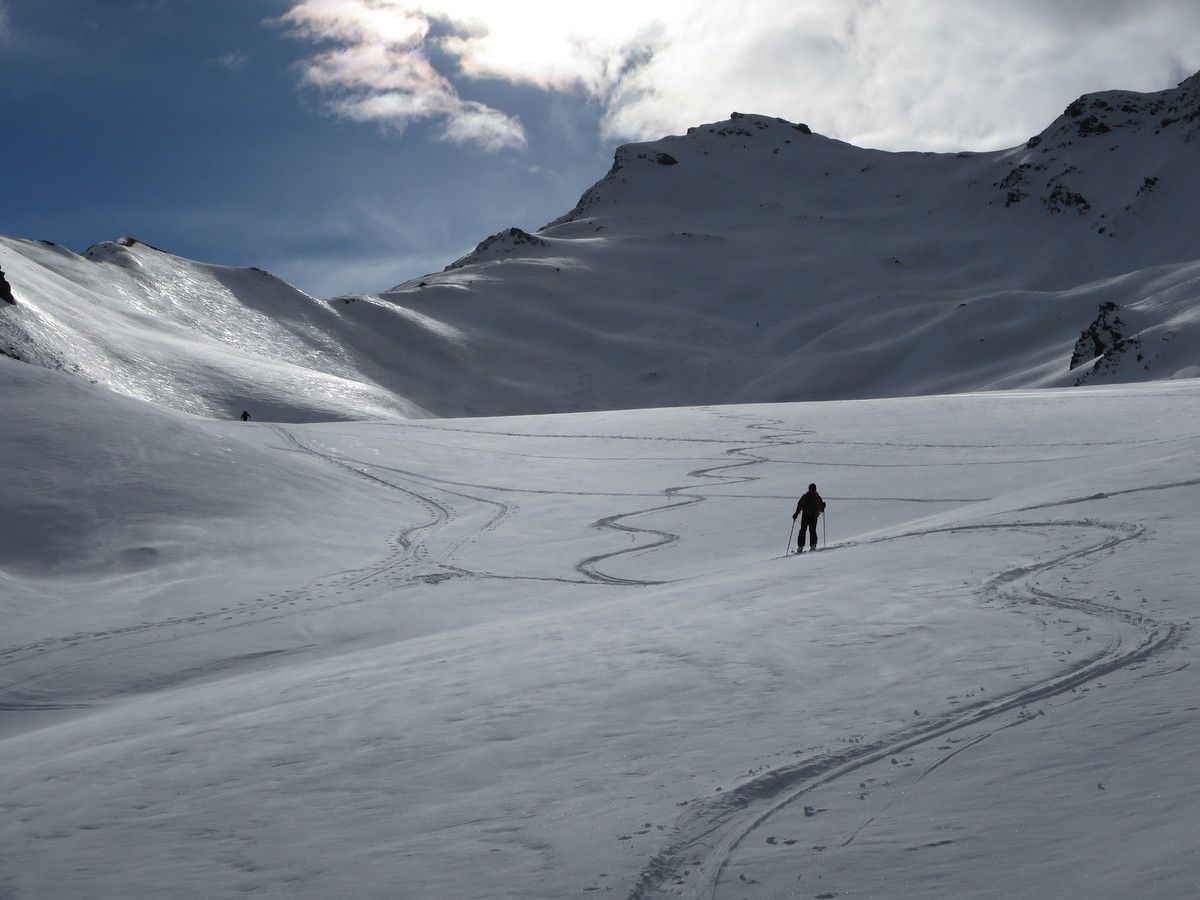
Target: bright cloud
{"points": [[378, 72], [886, 73]]}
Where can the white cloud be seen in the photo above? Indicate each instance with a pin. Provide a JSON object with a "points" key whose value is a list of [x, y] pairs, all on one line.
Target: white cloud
{"points": [[886, 73], [903, 73], [378, 71], [234, 62]]}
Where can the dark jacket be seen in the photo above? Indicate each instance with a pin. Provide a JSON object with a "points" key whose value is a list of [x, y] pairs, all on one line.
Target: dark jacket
{"points": [[810, 505]]}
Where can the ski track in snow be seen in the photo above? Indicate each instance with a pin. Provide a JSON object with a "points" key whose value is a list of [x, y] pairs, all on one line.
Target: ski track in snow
{"points": [[407, 561], [693, 860]]}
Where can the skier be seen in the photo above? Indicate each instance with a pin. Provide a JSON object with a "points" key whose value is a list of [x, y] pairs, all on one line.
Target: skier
{"points": [[245, 416], [809, 509]]}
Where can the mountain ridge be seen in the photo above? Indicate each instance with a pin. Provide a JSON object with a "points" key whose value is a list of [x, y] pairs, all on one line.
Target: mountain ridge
{"points": [[747, 260]]}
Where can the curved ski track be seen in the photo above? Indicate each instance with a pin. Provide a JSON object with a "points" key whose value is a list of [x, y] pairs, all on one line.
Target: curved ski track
{"points": [[692, 861], [407, 562]]}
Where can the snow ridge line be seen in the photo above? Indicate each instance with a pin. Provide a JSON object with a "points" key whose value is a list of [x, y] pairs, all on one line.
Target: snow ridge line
{"points": [[692, 863]]}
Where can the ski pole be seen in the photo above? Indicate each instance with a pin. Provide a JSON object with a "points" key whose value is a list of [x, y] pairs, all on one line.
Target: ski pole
{"points": [[824, 529], [788, 548]]}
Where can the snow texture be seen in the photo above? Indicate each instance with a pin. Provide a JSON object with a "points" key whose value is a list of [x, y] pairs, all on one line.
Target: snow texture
{"points": [[562, 655]]}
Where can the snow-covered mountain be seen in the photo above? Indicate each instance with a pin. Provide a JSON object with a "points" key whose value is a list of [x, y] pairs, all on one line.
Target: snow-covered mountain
{"points": [[748, 260]]}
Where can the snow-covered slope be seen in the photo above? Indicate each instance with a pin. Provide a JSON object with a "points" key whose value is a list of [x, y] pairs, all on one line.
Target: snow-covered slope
{"points": [[563, 655], [198, 338], [750, 259]]}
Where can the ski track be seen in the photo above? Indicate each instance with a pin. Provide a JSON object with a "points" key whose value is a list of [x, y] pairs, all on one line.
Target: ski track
{"points": [[692, 862], [405, 563]]}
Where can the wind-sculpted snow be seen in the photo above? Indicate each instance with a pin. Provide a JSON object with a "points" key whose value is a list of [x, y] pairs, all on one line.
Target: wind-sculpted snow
{"points": [[559, 655], [748, 260]]}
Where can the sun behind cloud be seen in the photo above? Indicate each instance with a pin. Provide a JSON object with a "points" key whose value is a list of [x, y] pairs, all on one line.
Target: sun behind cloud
{"points": [[373, 65], [894, 74]]}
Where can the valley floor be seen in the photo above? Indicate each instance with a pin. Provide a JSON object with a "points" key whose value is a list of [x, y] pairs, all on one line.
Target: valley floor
{"points": [[565, 655]]}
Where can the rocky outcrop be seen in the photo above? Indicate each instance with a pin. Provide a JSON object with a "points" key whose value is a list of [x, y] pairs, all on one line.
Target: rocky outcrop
{"points": [[501, 243], [1101, 336], [6, 293], [1106, 341]]}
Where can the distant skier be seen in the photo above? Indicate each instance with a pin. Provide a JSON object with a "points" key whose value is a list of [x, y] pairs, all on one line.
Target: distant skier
{"points": [[245, 416], [808, 509]]}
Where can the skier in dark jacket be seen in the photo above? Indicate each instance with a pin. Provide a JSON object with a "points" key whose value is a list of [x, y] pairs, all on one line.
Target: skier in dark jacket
{"points": [[808, 509]]}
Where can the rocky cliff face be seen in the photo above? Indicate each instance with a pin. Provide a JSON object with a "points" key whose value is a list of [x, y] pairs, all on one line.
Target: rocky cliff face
{"points": [[1105, 343]]}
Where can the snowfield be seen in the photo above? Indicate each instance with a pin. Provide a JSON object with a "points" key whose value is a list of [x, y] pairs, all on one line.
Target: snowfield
{"points": [[553, 656]]}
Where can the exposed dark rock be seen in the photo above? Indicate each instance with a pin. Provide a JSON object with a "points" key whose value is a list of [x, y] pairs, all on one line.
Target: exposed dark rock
{"points": [[1093, 125], [1149, 183], [665, 159], [501, 242], [134, 242], [1061, 198], [1016, 179], [1033, 141], [1104, 341], [802, 128], [6, 293], [1075, 110]]}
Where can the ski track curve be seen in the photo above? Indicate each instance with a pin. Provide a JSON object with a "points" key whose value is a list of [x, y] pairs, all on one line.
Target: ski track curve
{"points": [[685, 495], [692, 862], [406, 562]]}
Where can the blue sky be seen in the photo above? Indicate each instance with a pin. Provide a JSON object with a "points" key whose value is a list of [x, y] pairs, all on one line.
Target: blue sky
{"points": [[182, 123], [350, 144]]}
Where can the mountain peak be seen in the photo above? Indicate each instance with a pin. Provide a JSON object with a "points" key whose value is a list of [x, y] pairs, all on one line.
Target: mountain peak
{"points": [[1176, 109], [759, 135]]}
